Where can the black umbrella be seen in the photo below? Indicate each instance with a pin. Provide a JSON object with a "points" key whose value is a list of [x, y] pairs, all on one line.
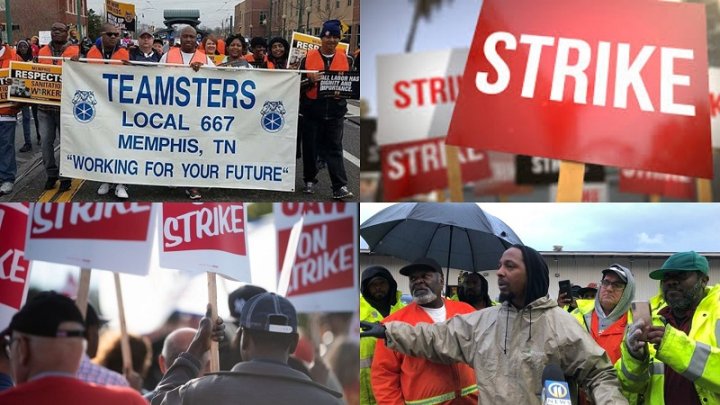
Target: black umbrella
{"points": [[462, 236]]}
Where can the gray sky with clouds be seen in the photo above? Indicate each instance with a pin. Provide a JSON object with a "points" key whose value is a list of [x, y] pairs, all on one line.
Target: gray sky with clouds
{"points": [[643, 227], [212, 12]]}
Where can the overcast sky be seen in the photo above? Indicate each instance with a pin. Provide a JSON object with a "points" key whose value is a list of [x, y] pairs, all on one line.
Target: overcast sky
{"points": [[212, 12], [386, 25], [642, 227]]}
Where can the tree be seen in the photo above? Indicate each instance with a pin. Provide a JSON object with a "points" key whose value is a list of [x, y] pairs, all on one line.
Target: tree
{"points": [[423, 9], [95, 23]]}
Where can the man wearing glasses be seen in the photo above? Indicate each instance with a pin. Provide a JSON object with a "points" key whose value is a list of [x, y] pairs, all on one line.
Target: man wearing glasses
{"points": [[45, 344], [681, 365], [606, 316], [110, 49], [49, 116]]}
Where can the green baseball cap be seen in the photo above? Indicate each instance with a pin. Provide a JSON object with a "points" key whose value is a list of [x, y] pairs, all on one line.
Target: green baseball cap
{"points": [[682, 261]]}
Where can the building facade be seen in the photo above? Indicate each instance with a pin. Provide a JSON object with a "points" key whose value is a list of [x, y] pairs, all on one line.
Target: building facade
{"points": [[33, 16], [580, 268], [279, 18]]}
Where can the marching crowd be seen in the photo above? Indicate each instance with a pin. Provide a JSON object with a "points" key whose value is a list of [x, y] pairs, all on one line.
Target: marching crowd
{"points": [[320, 127], [265, 357], [469, 349]]}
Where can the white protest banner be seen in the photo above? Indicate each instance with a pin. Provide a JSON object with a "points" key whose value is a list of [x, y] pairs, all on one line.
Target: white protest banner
{"points": [[14, 267], [417, 93], [44, 37], [172, 126], [325, 273], [299, 45], [106, 236], [209, 237]]}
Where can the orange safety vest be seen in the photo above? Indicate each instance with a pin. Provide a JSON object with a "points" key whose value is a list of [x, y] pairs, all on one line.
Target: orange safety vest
{"points": [[314, 61], [174, 56], [402, 379], [8, 56], [251, 58], [120, 54], [70, 51]]}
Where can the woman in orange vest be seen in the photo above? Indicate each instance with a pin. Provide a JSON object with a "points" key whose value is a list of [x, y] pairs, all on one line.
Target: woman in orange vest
{"points": [[258, 58]]}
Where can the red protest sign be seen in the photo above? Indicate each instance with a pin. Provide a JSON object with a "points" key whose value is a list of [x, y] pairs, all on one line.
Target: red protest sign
{"points": [[206, 237], [107, 236], [668, 185], [214, 226], [323, 275], [595, 82], [13, 265], [411, 168], [106, 221]]}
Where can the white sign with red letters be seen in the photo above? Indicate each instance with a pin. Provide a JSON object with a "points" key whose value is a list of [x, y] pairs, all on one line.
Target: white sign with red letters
{"points": [[106, 236], [208, 237], [325, 272], [417, 93]]}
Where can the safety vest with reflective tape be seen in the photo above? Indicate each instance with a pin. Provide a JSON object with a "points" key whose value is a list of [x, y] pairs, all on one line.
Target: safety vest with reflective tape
{"points": [[610, 340], [696, 356], [314, 61], [119, 54], [174, 56], [367, 347], [68, 52]]}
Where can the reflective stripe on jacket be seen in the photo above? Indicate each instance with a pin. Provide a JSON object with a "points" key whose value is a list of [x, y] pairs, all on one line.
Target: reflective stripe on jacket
{"points": [[696, 356], [314, 61], [399, 378], [367, 347]]}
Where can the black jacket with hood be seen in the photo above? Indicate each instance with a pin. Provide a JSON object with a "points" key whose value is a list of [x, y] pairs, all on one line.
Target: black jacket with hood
{"points": [[369, 274]]}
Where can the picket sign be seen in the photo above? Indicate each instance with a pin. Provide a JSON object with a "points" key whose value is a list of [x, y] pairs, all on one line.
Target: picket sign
{"points": [[212, 299], [570, 181], [124, 338]]}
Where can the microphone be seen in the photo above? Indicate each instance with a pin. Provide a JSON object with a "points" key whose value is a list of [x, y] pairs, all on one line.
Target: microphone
{"points": [[555, 388]]}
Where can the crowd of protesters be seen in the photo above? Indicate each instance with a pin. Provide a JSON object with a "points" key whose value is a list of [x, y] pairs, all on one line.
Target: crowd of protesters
{"points": [[320, 124], [266, 356], [435, 351]]}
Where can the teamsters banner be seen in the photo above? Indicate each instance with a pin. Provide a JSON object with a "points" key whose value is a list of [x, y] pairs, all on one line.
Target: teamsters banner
{"points": [[175, 127]]}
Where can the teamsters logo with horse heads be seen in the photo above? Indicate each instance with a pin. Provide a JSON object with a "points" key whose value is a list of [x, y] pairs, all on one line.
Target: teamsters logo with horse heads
{"points": [[273, 116], [84, 106]]}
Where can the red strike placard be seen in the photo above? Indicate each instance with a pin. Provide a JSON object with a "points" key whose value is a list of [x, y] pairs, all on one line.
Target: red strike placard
{"points": [[617, 83]]}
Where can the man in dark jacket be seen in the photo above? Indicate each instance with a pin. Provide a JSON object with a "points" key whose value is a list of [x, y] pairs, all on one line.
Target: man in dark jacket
{"points": [[324, 118], [269, 325], [144, 52]]}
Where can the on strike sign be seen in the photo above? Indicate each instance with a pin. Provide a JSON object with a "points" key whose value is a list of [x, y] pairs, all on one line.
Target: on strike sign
{"points": [[324, 274], [597, 82], [13, 265], [208, 237], [107, 236]]}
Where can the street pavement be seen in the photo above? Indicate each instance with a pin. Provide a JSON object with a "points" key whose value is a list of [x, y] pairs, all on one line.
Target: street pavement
{"points": [[31, 178]]}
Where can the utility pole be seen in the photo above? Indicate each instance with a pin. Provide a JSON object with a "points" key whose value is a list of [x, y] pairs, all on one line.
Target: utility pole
{"points": [[8, 22], [301, 8], [79, 19]]}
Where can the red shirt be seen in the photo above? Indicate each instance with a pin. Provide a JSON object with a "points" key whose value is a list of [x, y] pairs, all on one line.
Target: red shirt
{"points": [[54, 390]]}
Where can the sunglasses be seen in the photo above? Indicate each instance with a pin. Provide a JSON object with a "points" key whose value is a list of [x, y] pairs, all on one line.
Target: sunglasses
{"points": [[112, 34]]}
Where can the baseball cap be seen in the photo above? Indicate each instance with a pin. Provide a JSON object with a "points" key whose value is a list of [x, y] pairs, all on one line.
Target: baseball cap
{"points": [[423, 263], [269, 312], [682, 261], [43, 315], [238, 298], [621, 271], [144, 31], [590, 287], [92, 318]]}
